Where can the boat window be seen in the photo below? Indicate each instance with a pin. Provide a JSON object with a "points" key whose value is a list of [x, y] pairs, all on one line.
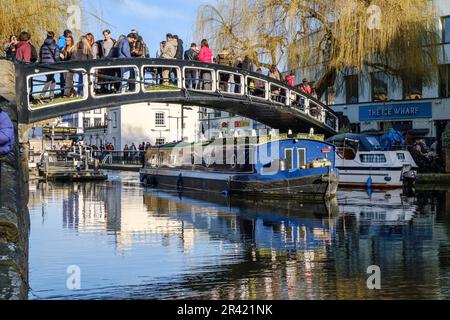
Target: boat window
{"points": [[288, 157], [301, 156], [401, 157], [373, 158], [346, 153]]}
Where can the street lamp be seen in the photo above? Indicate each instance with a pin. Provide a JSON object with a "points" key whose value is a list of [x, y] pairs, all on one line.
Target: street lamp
{"points": [[178, 129], [182, 117]]}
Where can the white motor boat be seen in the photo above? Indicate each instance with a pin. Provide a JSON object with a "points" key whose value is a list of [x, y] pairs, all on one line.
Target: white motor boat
{"points": [[361, 162]]}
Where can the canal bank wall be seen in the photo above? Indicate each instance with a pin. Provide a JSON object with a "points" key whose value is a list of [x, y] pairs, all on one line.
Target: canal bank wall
{"points": [[14, 217]]}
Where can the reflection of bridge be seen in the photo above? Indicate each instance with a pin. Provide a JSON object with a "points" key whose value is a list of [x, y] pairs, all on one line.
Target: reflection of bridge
{"points": [[249, 94]]}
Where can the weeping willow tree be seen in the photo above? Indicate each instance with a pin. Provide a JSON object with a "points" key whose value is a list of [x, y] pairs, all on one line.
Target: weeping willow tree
{"points": [[35, 16], [396, 37]]}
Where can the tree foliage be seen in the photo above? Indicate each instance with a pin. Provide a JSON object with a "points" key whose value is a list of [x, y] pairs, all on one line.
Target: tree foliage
{"points": [[397, 37], [35, 16]]}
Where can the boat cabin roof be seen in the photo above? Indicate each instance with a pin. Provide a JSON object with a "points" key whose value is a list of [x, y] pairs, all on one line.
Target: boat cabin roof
{"points": [[362, 142], [251, 141]]}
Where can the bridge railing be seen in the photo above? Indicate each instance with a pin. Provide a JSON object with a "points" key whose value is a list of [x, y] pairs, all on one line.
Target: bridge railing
{"points": [[66, 83]]}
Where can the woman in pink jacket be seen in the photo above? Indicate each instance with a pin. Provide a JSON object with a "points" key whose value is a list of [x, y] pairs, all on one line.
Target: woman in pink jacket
{"points": [[206, 55]]}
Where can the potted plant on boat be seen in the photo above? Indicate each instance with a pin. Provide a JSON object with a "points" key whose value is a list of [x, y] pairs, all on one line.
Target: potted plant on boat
{"points": [[446, 147]]}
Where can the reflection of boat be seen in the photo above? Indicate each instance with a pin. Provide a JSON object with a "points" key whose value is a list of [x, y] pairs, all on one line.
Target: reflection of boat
{"points": [[389, 207], [362, 162], [285, 167], [267, 223], [389, 215]]}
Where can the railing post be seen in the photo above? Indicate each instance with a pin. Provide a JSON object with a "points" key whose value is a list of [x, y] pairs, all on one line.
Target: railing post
{"points": [[323, 115], [307, 106]]}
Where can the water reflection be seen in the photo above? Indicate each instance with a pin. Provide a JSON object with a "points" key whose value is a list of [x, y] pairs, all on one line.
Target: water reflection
{"points": [[135, 243]]}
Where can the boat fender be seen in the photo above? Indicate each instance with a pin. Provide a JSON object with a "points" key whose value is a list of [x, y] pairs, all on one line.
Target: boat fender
{"points": [[225, 193], [180, 182], [369, 182]]}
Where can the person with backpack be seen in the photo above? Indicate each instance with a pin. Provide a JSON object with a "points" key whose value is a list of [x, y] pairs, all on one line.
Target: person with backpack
{"points": [[49, 53]]}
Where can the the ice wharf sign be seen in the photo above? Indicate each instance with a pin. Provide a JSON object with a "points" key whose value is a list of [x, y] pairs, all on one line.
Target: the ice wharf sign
{"points": [[395, 111]]}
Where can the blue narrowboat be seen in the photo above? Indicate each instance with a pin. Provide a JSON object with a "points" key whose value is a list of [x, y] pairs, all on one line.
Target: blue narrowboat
{"points": [[300, 166]]}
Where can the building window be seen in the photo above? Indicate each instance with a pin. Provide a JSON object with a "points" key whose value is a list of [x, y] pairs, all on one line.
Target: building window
{"points": [[160, 119], [160, 141], [401, 157], [373, 158], [97, 122], [289, 159], [86, 122], [351, 89], [355, 127], [379, 87], [301, 153], [446, 29], [412, 89], [115, 120], [98, 111], [444, 81]]}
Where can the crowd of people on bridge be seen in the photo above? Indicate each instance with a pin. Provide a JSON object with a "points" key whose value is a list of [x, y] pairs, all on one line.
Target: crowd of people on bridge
{"points": [[86, 47]]}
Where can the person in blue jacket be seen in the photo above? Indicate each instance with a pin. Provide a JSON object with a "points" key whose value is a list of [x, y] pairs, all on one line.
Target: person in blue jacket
{"points": [[6, 133], [62, 39], [124, 52]]}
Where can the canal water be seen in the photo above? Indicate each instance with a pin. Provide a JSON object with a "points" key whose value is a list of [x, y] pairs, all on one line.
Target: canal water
{"points": [[123, 241]]}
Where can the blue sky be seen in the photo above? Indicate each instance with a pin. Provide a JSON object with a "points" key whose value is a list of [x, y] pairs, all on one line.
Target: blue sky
{"points": [[153, 18]]}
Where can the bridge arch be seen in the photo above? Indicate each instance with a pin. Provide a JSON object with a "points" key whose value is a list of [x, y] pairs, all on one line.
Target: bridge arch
{"points": [[189, 83]]}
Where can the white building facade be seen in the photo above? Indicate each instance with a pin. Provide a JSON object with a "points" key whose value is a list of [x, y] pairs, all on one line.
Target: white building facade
{"points": [[156, 123], [87, 119]]}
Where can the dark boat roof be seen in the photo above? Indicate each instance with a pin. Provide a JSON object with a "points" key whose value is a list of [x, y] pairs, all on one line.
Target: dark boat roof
{"points": [[367, 142]]}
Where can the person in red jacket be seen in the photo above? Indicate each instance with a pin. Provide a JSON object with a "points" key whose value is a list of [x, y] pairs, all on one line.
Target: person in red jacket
{"points": [[24, 47], [290, 79], [206, 55], [305, 87]]}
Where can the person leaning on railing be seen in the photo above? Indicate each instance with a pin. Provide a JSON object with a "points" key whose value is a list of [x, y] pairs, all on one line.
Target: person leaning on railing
{"points": [[205, 55], [168, 51], [49, 53]]}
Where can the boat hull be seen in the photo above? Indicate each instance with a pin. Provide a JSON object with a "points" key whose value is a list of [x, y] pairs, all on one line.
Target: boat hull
{"points": [[309, 187]]}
